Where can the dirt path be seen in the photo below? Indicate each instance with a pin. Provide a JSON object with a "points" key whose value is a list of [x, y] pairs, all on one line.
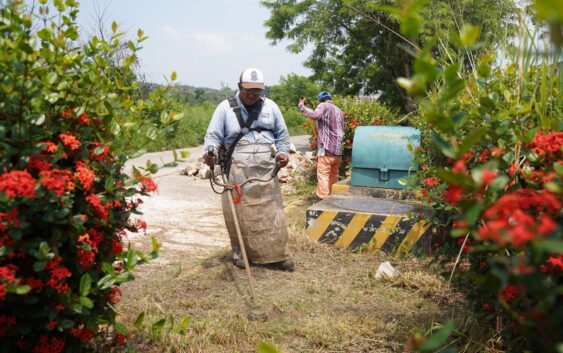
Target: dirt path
{"points": [[185, 215]]}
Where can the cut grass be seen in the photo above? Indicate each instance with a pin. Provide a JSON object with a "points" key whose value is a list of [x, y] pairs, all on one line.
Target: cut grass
{"points": [[331, 303]]}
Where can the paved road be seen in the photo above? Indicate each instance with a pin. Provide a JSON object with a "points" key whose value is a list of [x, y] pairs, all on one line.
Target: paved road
{"points": [[185, 215]]}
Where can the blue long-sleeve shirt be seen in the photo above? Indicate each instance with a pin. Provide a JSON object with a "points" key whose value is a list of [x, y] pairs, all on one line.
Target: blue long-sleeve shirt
{"points": [[224, 126]]}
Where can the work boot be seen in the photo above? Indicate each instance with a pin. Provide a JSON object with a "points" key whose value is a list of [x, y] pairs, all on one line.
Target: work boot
{"points": [[285, 265], [238, 262]]}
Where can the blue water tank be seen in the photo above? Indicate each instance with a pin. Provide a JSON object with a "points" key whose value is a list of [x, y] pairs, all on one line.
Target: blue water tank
{"points": [[381, 155]]}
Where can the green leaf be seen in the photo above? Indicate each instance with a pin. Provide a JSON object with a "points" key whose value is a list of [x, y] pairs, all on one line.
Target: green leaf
{"points": [[469, 34], [108, 268], [446, 148], [139, 321], [85, 301], [114, 27], [173, 76], [121, 328], [155, 244], [38, 266], [158, 326], [185, 154], [21, 290], [438, 339], [106, 282], [550, 246], [265, 347], [470, 140], [177, 116], [85, 284]]}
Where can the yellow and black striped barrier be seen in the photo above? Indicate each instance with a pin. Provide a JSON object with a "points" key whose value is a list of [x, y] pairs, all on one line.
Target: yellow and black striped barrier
{"points": [[396, 234]]}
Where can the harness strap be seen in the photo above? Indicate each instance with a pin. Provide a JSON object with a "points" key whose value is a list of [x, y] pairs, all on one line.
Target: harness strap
{"points": [[244, 128]]}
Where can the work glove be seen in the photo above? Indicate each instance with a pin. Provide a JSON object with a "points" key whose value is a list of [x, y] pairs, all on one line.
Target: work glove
{"points": [[209, 158], [282, 159]]}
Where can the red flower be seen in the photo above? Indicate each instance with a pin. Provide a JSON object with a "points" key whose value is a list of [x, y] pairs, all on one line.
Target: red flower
{"points": [[98, 151], [548, 146], [115, 295], [116, 246], [50, 147], [98, 207], [17, 183], [57, 180], [487, 176], [36, 162], [85, 176], [432, 181], [85, 258], [6, 323], [84, 334], [453, 194], [46, 345], [509, 292], [83, 119], [520, 217], [459, 167], [120, 339], [69, 141], [554, 264]]}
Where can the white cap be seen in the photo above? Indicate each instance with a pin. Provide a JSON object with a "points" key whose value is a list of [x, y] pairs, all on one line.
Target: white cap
{"points": [[251, 78]]}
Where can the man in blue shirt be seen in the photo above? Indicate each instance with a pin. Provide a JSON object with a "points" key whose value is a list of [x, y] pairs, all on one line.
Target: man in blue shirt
{"points": [[260, 212]]}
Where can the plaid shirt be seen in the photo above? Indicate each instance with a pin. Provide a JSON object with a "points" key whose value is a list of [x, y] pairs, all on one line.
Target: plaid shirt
{"points": [[330, 121]]}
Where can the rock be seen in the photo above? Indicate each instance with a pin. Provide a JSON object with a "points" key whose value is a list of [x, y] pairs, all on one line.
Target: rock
{"points": [[191, 169], [298, 156], [283, 175], [204, 172], [385, 270], [292, 148]]}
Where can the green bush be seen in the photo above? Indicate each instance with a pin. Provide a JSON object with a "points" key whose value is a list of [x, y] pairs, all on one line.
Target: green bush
{"points": [[66, 121], [499, 184]]}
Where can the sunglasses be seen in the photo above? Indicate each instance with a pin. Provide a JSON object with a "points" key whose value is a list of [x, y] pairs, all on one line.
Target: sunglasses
{"points": [[253, 90]]}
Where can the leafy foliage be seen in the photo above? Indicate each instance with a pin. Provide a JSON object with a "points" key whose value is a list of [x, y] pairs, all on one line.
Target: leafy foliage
{"points": [[357, 46], [67, 120], [499, 185]]}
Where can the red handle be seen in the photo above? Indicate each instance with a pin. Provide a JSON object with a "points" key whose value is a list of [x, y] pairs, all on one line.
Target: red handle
{"points": [[239, 194]]}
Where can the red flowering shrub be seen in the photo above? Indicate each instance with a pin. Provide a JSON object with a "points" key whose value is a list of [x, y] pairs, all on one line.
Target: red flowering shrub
{"points": [[494, 176], [66, 126]]}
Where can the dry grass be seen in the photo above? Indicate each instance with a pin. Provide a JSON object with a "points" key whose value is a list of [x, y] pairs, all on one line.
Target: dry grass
{"points": [[331, 303]]}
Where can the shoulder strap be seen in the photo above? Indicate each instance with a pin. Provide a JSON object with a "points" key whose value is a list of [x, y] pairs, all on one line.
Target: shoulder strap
{"points": [[233, 102]]}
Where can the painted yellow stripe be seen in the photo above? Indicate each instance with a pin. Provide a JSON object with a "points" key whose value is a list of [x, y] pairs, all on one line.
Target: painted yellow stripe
{"points": [[412, 236], [352, 230], [384, 231], [321, 224], [340, 189]]}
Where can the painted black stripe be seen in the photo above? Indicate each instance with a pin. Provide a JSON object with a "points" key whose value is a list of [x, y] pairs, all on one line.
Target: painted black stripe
{"points": [[400, 233], [310, 216], [364, 236], [336, 228], [425, 241]]}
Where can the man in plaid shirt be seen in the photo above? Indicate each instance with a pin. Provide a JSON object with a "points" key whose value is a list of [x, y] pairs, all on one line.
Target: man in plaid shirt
{"points": [[330, 127]]}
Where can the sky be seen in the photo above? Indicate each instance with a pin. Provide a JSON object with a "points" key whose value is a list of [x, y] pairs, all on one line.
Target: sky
{"points": [[207, 42]]}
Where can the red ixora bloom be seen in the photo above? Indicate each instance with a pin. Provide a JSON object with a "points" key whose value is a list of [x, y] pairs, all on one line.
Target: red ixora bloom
{"points": [[50, 147], [547, 145], [57, 181], [432, 181], [49, 345], [554, 265], [17, 183], [509, 292], [487, 176], [114, 295], [83, 119], [85, 176], [120, 339], [98, 151], [99, 209], [453, 194], [84, 334], [69, 141], [519, 217]]}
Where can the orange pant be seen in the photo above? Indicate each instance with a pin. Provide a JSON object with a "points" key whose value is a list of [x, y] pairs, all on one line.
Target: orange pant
{"points": [[327, 174]]}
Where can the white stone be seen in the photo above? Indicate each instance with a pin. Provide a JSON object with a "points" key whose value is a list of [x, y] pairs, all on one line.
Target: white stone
{"points": [[292, 148], [386, 270]]}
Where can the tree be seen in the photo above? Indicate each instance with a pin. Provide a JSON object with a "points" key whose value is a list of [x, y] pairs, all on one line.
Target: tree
{"points": [[287, 93], [357, 46]]}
